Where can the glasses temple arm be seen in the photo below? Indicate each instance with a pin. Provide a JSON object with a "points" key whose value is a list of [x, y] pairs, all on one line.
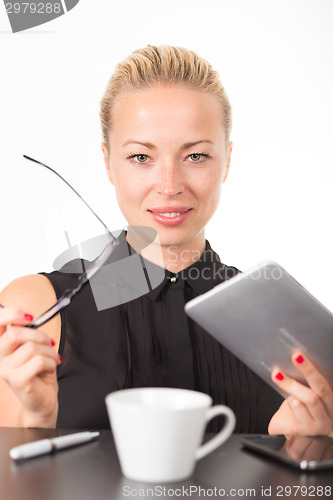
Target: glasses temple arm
{"points": [[69, 185]]}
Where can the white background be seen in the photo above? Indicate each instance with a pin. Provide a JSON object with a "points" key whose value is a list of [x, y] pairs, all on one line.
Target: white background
{"points": [[275, 61]]}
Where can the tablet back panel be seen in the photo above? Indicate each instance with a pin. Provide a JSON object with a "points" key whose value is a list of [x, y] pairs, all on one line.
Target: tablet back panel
{"points": [[263, 316]]}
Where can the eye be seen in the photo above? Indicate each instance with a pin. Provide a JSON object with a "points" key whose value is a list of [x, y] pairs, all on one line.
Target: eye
{"points": [[140, 158], [197, 157]]}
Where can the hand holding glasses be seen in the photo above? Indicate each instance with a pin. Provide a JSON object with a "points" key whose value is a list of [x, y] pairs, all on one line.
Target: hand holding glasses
{"points": [[83, 278]]}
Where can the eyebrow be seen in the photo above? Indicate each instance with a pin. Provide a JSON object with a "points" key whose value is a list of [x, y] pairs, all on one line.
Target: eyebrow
{"points": [[149, 145]]}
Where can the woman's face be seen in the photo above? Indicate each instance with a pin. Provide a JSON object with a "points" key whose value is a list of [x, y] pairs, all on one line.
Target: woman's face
{"points": [[167, 160]]}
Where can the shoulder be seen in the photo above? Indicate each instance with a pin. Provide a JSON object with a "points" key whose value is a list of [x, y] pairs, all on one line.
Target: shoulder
{"points": [[34, 290], [33, 294]]}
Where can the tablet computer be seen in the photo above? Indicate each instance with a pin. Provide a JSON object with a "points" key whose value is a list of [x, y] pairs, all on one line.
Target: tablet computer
{"points": [[263, 316]]}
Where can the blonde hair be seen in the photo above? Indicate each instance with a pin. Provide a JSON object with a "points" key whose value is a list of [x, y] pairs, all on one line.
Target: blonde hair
{"points": [[163, 64]]}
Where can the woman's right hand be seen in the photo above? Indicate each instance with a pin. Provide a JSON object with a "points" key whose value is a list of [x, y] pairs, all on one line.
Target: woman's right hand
{"points": [[28, 363]]}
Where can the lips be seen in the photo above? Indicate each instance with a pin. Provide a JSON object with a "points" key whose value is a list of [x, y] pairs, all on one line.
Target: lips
{"points": [[169, 209], [170, 216]]}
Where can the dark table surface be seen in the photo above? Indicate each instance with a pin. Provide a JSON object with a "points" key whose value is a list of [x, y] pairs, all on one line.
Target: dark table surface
{"points": [[92, 472]]}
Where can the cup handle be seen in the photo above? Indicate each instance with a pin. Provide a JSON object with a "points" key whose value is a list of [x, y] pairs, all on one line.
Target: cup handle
{"points": [[224, 433]]}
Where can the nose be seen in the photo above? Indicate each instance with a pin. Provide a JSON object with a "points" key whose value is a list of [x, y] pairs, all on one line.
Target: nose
{"points": [[170, 181]]}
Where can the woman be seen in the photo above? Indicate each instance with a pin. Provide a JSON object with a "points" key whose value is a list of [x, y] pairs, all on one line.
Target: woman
{"points": [[166, 124]]}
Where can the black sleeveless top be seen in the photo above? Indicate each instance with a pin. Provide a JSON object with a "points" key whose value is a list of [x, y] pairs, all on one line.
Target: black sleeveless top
{"points": [[150, 342]]}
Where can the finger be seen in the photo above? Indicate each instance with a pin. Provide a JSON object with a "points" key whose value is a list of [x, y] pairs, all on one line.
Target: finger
{"points": [[15, 336], [321, 422], [25, 375], [28, 351], [316, 381], [11, 365], [9, 316], [302, 415]]}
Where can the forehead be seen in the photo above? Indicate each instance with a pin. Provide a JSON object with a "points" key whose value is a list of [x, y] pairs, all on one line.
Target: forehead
{"points": [[166, 110]]}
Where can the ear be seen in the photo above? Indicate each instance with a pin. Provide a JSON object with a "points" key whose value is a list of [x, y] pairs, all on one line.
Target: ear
{"points": [[107, 162], [228, 160]]}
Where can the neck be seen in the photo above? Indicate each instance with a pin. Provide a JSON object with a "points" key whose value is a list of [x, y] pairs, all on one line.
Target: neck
{"points": [[174, 258]]}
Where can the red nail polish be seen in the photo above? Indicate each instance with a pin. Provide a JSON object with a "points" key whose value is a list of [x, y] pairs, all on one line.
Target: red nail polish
{"points": [[299, 359], [60, 358], [52, 342], [279, 376], [28, 317]]}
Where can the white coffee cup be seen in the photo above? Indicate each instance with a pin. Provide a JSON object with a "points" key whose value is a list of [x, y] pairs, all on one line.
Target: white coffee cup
{"points": [[158, 431]]}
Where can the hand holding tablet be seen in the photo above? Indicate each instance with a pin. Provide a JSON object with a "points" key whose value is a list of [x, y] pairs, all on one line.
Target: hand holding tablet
{"points": [[276, 327]]}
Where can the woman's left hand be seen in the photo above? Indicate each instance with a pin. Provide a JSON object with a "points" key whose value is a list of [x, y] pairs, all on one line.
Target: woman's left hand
{"points": [[307, 411]]}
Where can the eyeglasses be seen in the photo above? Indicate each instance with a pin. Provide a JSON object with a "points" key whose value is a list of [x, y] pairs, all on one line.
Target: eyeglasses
{"points": [[83, 278]]}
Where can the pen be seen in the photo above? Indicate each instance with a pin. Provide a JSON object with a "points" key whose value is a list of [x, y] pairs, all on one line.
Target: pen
{"points": [[45, 446]]}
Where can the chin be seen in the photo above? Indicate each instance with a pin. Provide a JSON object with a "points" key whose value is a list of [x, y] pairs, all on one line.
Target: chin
{"points": [[175, 240]]}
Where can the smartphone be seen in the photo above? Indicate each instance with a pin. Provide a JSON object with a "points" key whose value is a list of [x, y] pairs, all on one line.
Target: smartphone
{"points": [[302, 452]]}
